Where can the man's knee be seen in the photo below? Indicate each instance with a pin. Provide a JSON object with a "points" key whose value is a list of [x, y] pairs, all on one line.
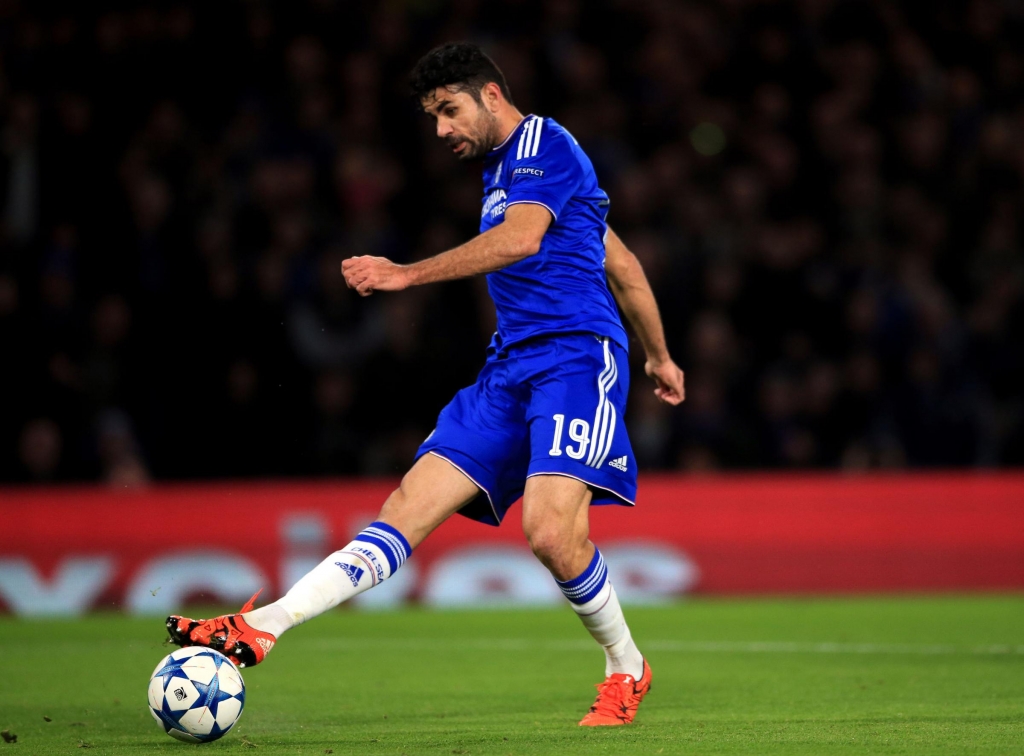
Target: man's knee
{"points": [[543, 541], [428, 494], [556, 547], [405, 503], [395, 502]]}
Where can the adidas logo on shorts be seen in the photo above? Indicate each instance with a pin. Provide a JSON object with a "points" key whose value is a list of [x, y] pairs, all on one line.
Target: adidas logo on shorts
{"points": [[619, 463]]}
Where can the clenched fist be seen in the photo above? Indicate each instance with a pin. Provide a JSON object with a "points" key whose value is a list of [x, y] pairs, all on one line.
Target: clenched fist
{"points": [[368, 274]]}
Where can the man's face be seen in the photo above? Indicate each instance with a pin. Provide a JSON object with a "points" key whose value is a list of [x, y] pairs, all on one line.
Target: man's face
{"points": [[468, 128]]}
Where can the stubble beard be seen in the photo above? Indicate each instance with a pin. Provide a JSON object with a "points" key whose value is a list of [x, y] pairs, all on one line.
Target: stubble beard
{"points": [[481, 142]]}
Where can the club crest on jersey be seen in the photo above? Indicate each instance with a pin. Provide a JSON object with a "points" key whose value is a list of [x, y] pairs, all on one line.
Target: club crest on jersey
{"points": [[354, 573], [495, 203]]}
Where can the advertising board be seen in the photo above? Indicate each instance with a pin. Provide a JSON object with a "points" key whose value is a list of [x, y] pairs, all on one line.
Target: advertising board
{"points": [[67, 550]]}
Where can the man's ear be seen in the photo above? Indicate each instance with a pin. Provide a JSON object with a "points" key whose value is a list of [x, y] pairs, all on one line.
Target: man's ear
{"points": [[490, 95]]}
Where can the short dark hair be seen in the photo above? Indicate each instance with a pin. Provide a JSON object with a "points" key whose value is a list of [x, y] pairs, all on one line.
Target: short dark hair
{"points": [[462, 66]]}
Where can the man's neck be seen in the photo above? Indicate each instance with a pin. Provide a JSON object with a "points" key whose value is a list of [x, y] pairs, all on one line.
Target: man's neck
{"points": [[507, 123]]}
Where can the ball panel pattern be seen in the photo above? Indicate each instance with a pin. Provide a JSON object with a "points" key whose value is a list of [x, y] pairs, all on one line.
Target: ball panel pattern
{"points": [[200, 669], [198, 721], [184, 736], [231, 681], [184, 653], [180, 694], [156, 692], [228, 712]]}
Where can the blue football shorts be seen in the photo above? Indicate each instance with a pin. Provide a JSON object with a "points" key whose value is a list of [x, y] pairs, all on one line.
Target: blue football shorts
{"points": [[549, 406]]}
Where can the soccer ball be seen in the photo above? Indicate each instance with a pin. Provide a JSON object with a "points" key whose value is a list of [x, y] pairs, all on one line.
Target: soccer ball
{"points": [[196, 694]]}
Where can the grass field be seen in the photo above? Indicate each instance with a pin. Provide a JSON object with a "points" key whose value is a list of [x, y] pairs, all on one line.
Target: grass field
{"points": [[843, 676]]}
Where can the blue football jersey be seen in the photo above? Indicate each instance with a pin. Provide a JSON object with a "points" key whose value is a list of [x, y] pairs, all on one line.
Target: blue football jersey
{"points": [[563, 288]]}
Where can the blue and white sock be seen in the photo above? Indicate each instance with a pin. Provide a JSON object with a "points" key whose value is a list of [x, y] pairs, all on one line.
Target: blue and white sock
{"points": [[372, 557], [592, 597]]}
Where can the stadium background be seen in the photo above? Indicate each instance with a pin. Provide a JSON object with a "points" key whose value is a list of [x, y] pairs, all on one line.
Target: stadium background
{"points": [[825, 196]]}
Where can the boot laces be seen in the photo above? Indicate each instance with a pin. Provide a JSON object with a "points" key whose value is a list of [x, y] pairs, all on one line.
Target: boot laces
{"points": [[612, 695], [220, 629], [223, 629]]}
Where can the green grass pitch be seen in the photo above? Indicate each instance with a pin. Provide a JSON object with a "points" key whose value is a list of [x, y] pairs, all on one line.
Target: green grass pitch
{"points": [[939, 675]]}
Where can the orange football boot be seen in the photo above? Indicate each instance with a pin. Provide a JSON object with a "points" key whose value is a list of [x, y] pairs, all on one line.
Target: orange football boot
{"points": [[229, 634], [618, 698]]}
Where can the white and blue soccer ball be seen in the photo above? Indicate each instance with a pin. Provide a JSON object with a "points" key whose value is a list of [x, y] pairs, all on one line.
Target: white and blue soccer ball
{"points": [[196, 694]]}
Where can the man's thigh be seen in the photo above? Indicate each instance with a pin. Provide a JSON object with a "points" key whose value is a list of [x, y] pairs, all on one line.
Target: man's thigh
{"points": [[431, 492], [556, 503], [483, 434], [575, 416]]}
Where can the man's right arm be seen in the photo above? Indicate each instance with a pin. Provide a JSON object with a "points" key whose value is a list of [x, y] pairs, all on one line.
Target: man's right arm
{"points": [[629, 285], [512, 240]]}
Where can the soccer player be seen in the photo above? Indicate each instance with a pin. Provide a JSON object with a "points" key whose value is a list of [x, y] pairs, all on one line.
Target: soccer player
{"points": [[544, 419]]}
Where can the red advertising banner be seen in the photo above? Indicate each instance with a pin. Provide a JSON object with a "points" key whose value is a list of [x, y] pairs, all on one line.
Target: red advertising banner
{"points": [[65, 550]]}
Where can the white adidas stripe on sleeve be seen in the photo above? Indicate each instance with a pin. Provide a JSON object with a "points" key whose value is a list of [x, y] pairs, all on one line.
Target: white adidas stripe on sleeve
{"points": [[529, 139], [536, 136]]}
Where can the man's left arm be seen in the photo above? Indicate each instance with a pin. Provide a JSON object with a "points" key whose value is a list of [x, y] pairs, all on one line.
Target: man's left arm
{"points": [[517, 237], [629, 285]]}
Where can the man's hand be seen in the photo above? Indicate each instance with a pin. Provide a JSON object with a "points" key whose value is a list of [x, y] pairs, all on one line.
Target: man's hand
{"points": [[628, 283], [669, 378], [369, 274]]}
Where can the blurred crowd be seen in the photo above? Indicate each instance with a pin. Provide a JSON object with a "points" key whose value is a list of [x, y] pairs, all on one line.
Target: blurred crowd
{"points": [[826, 196]]}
